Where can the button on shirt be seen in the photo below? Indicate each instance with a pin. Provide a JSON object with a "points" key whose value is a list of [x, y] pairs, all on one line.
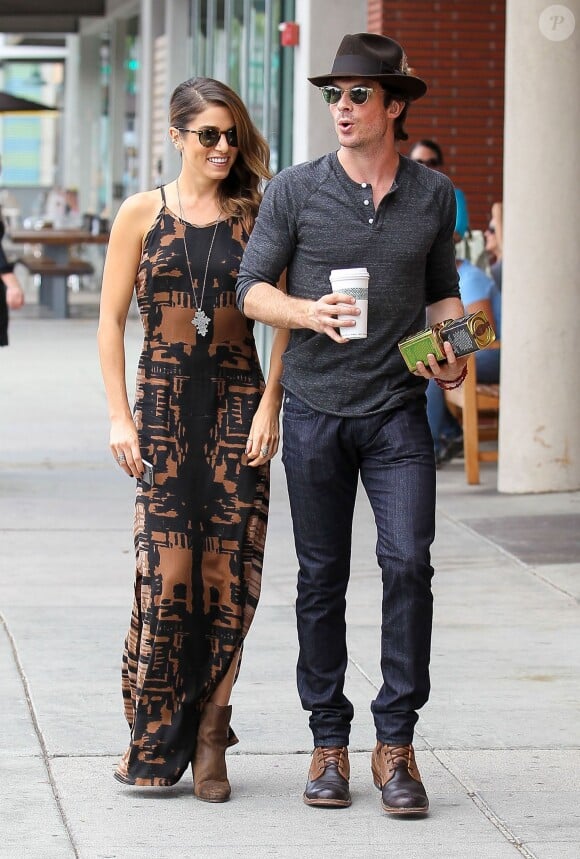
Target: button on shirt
{"points": [[315, 218]]}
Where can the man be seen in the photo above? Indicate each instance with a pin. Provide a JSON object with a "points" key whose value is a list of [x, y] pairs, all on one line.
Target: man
{"points": [[494, 242], [430, 154], [427, 152], [352, 408]]}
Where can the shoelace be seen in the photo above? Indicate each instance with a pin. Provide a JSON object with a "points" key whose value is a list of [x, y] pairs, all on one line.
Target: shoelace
{"points": [[331, 756], [399, 755]]}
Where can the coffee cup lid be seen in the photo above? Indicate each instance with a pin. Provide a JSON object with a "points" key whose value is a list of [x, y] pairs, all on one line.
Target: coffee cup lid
{"points": [[341, 273]]}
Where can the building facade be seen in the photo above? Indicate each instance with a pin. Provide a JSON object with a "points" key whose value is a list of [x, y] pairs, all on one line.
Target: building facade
{"points": [[122, 59]]}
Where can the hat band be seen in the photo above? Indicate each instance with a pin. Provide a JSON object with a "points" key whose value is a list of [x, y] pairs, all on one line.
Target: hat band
{"points": [[345, 63]]}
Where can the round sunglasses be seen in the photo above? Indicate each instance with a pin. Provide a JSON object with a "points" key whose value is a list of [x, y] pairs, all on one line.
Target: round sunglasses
{"points": [[210, 136], [357, 94]]}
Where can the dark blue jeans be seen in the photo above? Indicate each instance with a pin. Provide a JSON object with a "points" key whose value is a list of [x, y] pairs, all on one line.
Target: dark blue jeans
{"points": [[323, 456]]}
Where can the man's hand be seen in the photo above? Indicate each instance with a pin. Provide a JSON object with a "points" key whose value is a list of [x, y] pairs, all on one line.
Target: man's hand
{"points": [[322, 315], [447, 371]]}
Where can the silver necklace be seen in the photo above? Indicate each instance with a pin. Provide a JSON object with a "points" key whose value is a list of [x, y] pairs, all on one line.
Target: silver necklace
{"points": [[200, 319]]}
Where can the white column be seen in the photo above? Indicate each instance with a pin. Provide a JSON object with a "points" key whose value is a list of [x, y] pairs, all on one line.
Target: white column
{"points": [[70, 153], [144, 112], [540, 399], [323, 23], [82, 156], [178, 65]]}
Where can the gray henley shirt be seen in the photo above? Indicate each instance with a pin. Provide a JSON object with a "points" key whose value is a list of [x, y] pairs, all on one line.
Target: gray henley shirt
{"points": [[315, 218]]}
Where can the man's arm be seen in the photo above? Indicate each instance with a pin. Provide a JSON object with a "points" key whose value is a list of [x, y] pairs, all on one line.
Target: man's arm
{"points": [[447, 308], [267, 304], [269, 252]]}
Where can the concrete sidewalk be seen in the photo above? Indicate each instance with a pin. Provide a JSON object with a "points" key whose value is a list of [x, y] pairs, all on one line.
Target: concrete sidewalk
{"points": [[498, 744]]}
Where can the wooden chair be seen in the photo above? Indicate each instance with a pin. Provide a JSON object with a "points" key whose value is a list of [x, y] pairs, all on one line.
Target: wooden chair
{"points": [[476, 406]]}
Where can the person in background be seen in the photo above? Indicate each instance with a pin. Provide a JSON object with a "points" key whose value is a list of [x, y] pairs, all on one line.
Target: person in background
{"points": [[205, 422], [478, 292], [494, 242], [11, 293], [352, 410], [429, 153]]}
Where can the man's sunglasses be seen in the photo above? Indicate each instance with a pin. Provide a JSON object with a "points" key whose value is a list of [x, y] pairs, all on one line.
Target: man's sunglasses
{"points": [[428, 162], [357, 94], [210, 136]]}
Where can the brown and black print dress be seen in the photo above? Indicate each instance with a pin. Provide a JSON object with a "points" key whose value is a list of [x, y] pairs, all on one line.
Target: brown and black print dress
{"points": [[200, 531]]}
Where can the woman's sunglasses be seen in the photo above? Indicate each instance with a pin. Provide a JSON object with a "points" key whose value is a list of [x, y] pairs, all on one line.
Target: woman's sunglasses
{"points": [[210, 136], [357, 94]]}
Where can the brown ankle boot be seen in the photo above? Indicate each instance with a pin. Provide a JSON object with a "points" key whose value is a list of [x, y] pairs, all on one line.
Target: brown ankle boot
{"points": [[396, 775], [210, 777]]}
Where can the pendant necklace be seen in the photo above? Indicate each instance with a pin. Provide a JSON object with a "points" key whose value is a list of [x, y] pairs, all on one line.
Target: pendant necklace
{"points": [[200, 319]]}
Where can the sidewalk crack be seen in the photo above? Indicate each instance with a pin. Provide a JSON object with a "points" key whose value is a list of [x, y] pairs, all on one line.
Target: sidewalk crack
{"points": [[485, 808], [39, 736]]}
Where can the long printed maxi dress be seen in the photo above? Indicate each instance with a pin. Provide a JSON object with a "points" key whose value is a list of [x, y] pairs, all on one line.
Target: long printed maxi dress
{"points": [[200, 531]]}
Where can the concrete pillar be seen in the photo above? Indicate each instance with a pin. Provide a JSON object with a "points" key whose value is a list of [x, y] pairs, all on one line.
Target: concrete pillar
{"points": [[323, 23], [70, 153], [540, 405], [177, 16], [82, 158], [144, 111]]}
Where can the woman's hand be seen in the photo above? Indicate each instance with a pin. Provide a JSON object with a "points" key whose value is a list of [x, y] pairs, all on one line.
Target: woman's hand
{"points": [[124, 444], [264, 436]]}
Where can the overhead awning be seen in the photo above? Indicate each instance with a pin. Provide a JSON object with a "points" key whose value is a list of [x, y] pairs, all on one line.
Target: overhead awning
{"points": [[47, 16], [15, 104]]}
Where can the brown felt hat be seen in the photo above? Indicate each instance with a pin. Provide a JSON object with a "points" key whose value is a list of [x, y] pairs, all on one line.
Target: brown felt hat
{"points": [[368, 55]]}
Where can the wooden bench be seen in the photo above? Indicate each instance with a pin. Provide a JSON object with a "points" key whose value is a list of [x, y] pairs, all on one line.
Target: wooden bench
{"points": [[54, 277], [476, 406]]}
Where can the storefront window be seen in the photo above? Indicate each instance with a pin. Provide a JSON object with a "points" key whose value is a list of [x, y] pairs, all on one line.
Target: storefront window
{"points": [[237, 41], [130, 141], [29, 141], [119, 167]]}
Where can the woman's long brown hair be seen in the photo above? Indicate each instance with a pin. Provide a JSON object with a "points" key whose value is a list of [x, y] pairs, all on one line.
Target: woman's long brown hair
{"points": [[240, 193]]}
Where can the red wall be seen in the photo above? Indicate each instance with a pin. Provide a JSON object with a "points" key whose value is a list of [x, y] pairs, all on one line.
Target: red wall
{"points": [[457, 47]]}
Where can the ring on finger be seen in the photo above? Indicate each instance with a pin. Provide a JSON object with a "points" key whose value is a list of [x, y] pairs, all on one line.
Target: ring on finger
{"points": [[121, 458], [264, 450]]}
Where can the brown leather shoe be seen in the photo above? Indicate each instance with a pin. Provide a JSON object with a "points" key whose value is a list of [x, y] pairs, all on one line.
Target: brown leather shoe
{"points": [[327, 785], [396, 775]]}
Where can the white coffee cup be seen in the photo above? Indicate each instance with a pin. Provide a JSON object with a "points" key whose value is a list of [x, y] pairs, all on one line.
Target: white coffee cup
{"points": [[353, 282]]}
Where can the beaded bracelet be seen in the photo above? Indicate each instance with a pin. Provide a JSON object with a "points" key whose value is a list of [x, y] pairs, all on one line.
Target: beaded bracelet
{"points": [[452, 383]]}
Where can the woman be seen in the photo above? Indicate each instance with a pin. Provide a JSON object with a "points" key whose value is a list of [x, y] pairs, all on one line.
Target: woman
{"points": [[204, 422]]}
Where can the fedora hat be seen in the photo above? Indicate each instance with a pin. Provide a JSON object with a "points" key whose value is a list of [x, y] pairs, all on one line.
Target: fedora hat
{"points": [[368, 55]]}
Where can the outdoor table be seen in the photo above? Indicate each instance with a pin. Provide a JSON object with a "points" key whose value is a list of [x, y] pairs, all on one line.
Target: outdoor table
{"points": [[55, 265]]}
